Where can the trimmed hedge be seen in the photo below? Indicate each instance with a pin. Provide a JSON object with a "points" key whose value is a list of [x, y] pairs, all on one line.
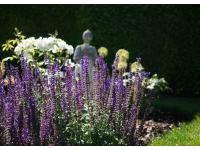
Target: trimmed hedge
{"points": [[165, 36]]}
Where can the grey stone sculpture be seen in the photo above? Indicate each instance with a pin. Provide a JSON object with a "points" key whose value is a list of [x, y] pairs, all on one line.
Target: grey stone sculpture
{"points": [[85, 49]]}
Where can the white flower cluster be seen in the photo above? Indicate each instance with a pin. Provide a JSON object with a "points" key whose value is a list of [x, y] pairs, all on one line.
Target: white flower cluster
{"points": [[26, 46], [43, 44], [154, 82]]}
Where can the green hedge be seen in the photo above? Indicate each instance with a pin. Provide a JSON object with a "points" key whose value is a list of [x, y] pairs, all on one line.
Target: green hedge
{"points": [[165, 36]]}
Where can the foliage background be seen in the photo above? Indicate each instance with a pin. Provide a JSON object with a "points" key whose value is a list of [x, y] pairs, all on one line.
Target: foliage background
{"points": [[166, 37]]}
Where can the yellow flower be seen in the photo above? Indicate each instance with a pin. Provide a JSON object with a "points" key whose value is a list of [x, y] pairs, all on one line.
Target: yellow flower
{"points": [[122, 54], [122, 65], [136, 66], [103, 52], [122, 59]]}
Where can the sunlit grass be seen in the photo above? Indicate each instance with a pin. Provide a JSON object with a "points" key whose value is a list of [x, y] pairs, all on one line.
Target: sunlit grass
{"points": [[188, 134]]}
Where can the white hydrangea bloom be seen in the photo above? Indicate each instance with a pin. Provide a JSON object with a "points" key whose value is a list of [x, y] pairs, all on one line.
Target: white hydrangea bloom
{"points": [[70, 49], [155, 82], [62, 44], [28, 43], [42, 44], [18, 49], [27, 54], [25, 45], [55, 49], [151, 86]]}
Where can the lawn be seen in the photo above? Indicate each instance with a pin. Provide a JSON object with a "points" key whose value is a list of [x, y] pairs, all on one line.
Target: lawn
{"points": [[188, 134]]}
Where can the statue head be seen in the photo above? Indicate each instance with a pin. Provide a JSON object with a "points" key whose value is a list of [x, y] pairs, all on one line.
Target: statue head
{"points": [[87, 36]]}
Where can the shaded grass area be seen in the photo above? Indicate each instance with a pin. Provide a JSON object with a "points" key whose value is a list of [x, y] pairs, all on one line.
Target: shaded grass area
{"points": [[184, 109], [188, 134]]}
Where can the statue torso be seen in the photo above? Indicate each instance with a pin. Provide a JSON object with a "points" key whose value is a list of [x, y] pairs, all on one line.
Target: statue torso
{"points": [[86, 50]]}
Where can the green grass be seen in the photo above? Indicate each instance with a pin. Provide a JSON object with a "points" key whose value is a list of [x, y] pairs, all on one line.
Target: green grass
{"points": [[188, 134], [187, 107]]}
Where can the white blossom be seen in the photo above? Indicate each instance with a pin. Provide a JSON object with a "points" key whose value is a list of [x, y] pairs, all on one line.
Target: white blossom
{"points": [[25, 45], [155, 82], [62, 44], [18, 49], [69, 63], [70, 49], [42, 44]]}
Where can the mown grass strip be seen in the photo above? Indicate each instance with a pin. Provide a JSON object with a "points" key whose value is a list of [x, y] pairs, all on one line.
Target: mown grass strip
{"points": [[188, 134]]}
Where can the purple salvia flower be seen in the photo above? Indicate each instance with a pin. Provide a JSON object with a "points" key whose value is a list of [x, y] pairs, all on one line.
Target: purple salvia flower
{"points": [[17, 103], [45, 119], [102, 69], [69, 86], [126, 101], [138, 87], [32, 116], [8, 111], [112, 85], [52, 91], [26, 135], [78, 100], [2, 95], [106, 89], [85, 76], [131, 124], [97, 83]]}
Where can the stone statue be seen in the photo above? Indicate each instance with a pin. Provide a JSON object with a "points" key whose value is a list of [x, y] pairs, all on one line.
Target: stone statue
{"points": [[86, 49]]}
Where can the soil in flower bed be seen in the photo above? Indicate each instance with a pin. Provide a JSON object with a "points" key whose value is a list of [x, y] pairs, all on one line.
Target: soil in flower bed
{"points": [[152, 129], [159, 122]]}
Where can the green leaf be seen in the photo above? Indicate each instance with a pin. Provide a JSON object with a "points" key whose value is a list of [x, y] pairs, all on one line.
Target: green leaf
{"points": [[41, 63], [4, 48], [6, 59], [40, 54]]}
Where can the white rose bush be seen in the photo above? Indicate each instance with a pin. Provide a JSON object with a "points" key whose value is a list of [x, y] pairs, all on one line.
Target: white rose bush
{"points": [[35, 49], [42, 44], [32, 49]]}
